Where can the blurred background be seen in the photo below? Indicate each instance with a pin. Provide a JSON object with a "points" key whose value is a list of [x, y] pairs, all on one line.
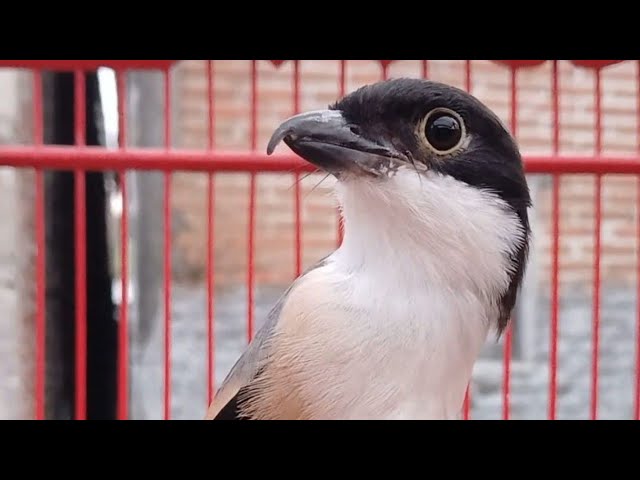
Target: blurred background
{"points": [[317, 83]]}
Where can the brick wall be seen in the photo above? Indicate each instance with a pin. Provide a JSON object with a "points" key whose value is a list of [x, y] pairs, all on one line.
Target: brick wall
{"points": [[274, 254]]}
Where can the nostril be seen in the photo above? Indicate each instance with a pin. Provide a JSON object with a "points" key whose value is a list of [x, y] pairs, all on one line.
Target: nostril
{"points": [[355, 130]]}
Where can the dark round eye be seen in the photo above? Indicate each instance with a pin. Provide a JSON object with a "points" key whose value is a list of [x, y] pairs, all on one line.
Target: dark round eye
{"points": [[443, 131]]}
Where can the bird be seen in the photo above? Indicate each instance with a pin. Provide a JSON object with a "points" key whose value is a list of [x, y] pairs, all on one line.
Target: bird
{"points": [[434, 202]]}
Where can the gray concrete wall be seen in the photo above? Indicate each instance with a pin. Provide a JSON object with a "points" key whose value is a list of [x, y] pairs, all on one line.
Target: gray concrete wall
{"points": [[17, 253]]}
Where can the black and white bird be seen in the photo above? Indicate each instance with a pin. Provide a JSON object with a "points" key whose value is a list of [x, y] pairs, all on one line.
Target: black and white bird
{"points": [[436, 233]]}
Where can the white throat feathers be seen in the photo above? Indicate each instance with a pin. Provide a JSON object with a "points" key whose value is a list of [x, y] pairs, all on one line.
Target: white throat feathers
{"points": [[429, 231]]}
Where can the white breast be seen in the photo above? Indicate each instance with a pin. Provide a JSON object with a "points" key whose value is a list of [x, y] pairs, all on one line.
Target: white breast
{"points": [[390, 350], [416, 282]]}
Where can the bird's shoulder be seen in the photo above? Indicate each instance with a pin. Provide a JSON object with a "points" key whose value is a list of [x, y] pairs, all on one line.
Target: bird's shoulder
{"points": [[256, 355]]}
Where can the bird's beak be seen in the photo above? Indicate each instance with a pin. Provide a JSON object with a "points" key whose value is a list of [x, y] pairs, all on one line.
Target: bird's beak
{"points": [[325, 139]]}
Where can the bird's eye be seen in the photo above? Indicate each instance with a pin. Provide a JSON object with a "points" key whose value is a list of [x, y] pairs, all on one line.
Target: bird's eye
{"points": [[443, 130]]}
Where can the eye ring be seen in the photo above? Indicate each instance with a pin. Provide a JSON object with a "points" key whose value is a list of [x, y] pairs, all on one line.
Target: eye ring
{"points": [[443, 130]]}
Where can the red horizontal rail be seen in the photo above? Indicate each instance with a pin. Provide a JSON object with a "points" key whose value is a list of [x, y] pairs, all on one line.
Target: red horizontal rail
{"points": [[99, 158], [161, 64], [87, 64]]}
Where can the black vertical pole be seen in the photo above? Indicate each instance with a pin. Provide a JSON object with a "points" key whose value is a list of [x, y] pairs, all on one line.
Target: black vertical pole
{"points": [[58, 90]]}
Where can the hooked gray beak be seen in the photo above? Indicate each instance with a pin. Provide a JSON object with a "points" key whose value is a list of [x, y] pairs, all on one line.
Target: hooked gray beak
{"points": [[325, 139]]}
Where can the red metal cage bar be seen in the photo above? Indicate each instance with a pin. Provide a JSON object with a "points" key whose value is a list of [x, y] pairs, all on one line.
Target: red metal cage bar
{"points": [[40, 253], [167, 250], [87, 65], [210, 240], [81, 158], [123, 330], [637, 392], [555, 234]]}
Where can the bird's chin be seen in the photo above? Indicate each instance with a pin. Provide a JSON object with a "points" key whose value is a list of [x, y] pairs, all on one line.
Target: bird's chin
{"points": [[343, 162]]}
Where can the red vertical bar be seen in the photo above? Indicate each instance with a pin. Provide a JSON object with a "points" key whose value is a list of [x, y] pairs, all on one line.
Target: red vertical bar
{"points": [[555, 266], [467, 75], [636, 414], [211, 105], [80, 108], [506, 386], [514, 101], [167, 251], [123, 328], [343, 91], [466, 408], [252, 200], [40, 365], [637, 396], [425, 68], [80, 255], [297, 199], [343, 78], [596, 267], [38, 127], [385, 71], [211, 380]]}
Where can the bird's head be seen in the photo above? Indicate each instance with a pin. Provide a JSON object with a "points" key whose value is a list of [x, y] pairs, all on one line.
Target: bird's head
{"points": [[405, 138]]}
